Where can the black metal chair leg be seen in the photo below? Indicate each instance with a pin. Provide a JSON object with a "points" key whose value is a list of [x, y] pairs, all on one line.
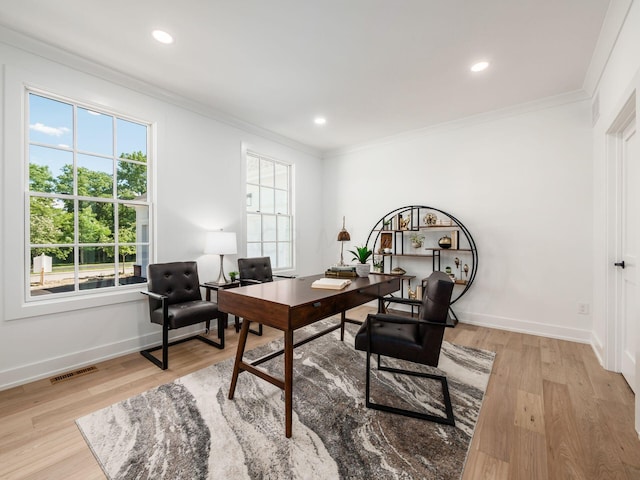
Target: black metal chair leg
{"points": [[449, 419]]}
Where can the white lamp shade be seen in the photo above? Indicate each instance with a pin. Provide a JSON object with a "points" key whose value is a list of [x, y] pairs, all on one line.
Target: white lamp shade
{"points": [[221, 243]]}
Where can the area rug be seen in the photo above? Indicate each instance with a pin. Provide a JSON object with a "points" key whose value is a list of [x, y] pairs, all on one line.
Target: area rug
{"points": [[189, 429]]}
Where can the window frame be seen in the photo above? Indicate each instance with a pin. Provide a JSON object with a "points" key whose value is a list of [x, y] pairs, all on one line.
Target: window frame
{"points": [[290, 208], [89, 91], [74, 196]]}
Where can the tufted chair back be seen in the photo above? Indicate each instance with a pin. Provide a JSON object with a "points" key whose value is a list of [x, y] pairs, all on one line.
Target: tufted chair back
{"points": [[257, 268], [177, 280]]}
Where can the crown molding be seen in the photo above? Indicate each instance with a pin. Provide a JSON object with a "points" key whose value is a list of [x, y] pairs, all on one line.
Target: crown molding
{"points": [[609, 33], [92, 67], [541, 104]]}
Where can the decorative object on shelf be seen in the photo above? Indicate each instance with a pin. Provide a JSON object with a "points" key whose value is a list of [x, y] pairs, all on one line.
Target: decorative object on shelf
{"points": [[457, 262], [362, 254], [466, 270], [412, 294], [398, 271], [386, 241], [233, 276], [386, 225], [221, 243], [447, 270], [445, 242], [430, 219], [343, 236], [417, 240], [377, 264], [404, 222], [455, 235]]}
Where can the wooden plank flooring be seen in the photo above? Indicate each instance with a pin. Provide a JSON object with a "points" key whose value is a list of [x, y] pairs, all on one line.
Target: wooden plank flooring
{"points": [[550, 411]]}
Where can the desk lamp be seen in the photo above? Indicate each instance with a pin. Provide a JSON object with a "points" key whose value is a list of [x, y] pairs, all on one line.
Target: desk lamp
{"points": [[221, 243], [343, 236]]}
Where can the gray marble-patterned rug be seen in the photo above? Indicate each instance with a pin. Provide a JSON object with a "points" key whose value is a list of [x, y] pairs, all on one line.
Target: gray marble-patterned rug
{"points": [[188, 429]]}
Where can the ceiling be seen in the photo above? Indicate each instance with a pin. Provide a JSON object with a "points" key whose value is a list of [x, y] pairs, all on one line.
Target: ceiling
{"points": [[373, 68]]}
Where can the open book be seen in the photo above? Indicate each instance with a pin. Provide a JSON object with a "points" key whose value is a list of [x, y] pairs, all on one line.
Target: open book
{"points": [[331, 283]]}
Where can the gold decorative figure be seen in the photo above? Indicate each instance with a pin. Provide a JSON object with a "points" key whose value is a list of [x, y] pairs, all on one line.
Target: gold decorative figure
{"points": [[412, 294], [466, 270], [404, 223]]}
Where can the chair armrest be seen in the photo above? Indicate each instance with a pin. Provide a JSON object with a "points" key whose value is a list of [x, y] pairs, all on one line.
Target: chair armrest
{"points": [[403, 301], [155, 296], [249, 281], [385, 317], [285, 276]]}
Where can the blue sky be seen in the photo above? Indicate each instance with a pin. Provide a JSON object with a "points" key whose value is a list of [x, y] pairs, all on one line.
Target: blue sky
{"points": [[51, 123]]}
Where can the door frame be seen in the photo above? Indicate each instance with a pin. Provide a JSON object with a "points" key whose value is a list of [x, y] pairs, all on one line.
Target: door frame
{"points": [[614, 324]]}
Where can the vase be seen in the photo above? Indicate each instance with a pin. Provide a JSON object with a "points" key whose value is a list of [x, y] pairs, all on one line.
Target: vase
{"points": [[363, 269], [445, 242]]}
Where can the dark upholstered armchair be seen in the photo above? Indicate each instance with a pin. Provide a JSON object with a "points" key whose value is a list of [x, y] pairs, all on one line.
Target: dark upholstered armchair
{"points": [[175, 301], [416, 340], [254, 271]]}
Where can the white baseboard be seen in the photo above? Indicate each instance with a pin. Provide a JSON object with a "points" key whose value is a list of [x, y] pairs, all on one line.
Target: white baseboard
{"points": [[525, 326], [55, 366]]}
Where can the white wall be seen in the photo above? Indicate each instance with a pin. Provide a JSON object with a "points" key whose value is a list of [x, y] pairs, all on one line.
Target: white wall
{"points": [[198, 187], [520, 182]]}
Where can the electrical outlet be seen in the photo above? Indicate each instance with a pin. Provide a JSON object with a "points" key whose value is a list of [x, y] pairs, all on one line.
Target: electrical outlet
{"points": [[583, 308]]}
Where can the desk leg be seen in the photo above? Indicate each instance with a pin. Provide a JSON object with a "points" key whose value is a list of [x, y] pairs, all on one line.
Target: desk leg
{"points": [[239, 354], [288, 379]]}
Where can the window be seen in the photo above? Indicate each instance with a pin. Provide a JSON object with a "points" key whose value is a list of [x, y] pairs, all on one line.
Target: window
{"points": [[87, 206], [269, 218]]}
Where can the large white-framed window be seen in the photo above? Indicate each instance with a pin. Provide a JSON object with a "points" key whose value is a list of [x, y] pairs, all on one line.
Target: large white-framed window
{"points": [[269, 216], [87, 198]]}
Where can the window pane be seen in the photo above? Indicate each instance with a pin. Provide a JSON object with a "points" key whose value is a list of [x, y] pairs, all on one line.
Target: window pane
{"points": [[254, 228], [253, 169], [51, 221], [268, 228], [253, 198], [133, 261], [95, 222], [282, 176], [133, 221], [267, 200], [132, 181], [132, 140], [254, 250], [282, 202], [95, 132], [284, 255], [50, 121], [95, 176], [50, 170], [97, 267], [266, 173], [284, 229], [269, 250], [51, 271]]}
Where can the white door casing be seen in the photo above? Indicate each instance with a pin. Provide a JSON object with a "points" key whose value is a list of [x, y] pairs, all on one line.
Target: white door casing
{"points": [[629, 251]]}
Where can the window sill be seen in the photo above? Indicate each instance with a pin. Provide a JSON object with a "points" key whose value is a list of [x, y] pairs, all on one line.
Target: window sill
{"points": [[15, 310]]}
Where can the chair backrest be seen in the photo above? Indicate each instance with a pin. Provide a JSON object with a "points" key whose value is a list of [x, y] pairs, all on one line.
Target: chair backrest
{"points": [[256, 268], [435, 308], [177, 280]]}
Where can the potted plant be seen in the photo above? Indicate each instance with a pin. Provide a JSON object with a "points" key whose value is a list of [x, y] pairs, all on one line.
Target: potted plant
{"points": [[362, 254], [233, 276], [417, 240]]}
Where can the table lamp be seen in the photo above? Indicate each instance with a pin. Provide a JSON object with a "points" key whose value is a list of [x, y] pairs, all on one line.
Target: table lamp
{"points": [[343, 236], [221, 243]]}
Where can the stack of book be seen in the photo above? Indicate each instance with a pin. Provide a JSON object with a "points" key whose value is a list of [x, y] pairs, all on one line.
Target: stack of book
{"points": [[345, 271]]}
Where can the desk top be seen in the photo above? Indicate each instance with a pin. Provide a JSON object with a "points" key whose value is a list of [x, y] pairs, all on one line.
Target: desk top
{"points": [[292, 303]]}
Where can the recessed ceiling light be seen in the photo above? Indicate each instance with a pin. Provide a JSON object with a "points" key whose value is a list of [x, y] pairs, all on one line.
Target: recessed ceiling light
{"points": [[319, 120], [162, 36], [480, 66]]}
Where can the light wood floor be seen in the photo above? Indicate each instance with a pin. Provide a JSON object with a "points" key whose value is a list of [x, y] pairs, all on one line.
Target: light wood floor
{"points": [[550, 411]]}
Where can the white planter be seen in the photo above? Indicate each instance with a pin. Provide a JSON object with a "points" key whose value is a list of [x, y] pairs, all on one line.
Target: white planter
{"points": [[363, 269]]}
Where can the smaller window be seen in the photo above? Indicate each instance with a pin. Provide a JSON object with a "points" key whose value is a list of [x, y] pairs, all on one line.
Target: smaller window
{"points": [[269, 223]]}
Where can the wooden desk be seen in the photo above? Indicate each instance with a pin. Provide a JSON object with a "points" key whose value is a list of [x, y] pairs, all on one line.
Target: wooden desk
{"points": [[291, 304]]}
